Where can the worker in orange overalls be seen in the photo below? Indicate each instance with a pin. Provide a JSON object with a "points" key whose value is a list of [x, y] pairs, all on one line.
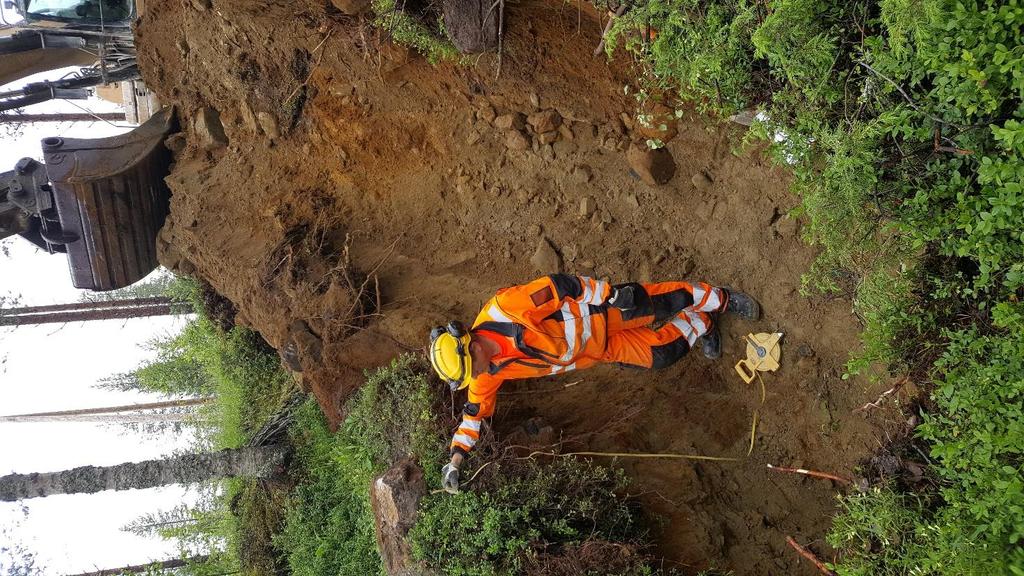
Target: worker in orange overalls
{"points": [[561, 323]]}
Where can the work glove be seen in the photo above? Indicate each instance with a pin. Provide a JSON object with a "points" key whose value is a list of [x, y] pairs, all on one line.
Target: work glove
{"points": [[450, 478], [623, 298]]}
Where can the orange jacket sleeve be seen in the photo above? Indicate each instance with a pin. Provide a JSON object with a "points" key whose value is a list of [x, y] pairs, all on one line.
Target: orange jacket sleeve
{"points": [[482, 396]]}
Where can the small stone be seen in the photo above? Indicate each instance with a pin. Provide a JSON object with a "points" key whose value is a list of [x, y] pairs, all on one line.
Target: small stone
{"points": [[745, 117], [564, 148], [643, 273], [686, 267], [351, 7], [565, 132], [587, 206], [473, 138], [513, 121], [654, 167], [534, 100], [268, 122], [631, 201], [516, 140], [545, 259], [534, 230], [627, 120], [461, 258], [547, 152], [248, 118], [486, 113], [584, 131], [805, 351], [545, 121], [701, 180], [606, 217], [175, 143], [548, 137], [787, 227], [209, 130]]}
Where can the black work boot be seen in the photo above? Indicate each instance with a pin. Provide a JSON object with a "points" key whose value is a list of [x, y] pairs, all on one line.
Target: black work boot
{"points": [[711, 342], [741, 305]]}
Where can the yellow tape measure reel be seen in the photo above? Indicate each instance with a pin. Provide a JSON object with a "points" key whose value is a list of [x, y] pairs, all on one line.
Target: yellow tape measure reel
{"points": [[763, 352]]}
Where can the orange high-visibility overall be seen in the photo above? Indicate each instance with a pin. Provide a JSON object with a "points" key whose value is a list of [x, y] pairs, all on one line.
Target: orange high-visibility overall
{"points": [[561, 323]]}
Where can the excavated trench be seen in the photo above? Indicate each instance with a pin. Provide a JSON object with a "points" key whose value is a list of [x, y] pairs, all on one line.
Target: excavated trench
{"points": [[318, 155]]}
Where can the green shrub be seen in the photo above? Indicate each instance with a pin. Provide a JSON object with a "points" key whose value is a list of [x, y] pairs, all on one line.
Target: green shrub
{"points": [[902, 123], [703, 50], [329, 525], [876, 530], [499, 528], [977, 438]]}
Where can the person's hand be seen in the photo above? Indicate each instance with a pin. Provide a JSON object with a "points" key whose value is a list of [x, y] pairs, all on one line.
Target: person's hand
{"points": [[623, 298], [450, 478]]}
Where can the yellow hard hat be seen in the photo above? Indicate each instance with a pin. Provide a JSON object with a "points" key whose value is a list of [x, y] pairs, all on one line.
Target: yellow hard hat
{"points": [[449, 354]]}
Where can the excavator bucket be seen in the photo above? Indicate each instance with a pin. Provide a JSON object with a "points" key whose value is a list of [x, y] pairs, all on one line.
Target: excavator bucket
{"points": [[111, 200]]}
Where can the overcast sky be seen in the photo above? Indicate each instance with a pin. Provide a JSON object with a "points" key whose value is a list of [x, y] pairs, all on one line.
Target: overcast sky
{"points": [[54, 367]]}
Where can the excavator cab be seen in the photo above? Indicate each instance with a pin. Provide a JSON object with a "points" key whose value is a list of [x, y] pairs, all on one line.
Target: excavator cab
{"points": [[81, 12], [101, 201]]}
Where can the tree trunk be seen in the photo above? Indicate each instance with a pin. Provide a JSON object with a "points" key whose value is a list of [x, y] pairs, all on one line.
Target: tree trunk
{"points": [[89, 305], [129, 408], [83, 311], [140, 568], [250, 462], [115, 418], [66, 117]]}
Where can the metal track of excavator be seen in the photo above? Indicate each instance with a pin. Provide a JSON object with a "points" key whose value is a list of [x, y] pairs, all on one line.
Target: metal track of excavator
{"points": [[102, 201]]}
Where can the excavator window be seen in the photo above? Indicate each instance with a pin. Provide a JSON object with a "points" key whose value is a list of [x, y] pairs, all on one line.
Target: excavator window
{"points": [[88, 11]]}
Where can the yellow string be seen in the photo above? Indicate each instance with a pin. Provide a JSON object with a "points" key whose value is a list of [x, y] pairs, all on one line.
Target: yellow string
{"points": [[637, 455], [753, 430]]}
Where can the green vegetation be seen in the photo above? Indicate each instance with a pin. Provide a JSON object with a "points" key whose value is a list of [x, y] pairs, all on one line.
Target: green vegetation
{"points": [[517, 513], [403, 28], [901, 122], [234, 520]]}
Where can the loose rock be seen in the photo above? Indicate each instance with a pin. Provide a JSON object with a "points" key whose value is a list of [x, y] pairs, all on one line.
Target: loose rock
{"points": [[513, 121], [565, 132], [701, 180], [548, 137], [654, 167], [787, 227], [208, 129], [516, 140], [268, 122], [175, 143], [545, 259], [545, 121], [534, 100], [587, 206], [582, 172], [631, 201], [486, 113]]}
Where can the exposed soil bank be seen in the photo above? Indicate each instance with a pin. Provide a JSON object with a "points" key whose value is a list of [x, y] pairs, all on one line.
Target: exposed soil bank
{"points": [[334, 138]]}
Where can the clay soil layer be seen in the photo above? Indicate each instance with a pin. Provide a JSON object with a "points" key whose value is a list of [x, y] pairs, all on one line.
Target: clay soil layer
{"points": [[344, 157]]}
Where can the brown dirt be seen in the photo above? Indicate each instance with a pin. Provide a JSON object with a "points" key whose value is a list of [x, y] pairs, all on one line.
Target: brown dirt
{"points": [[386, 154]]}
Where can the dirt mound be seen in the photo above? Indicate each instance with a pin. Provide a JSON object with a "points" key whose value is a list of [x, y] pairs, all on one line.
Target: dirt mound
{"points": [[346, 158]]}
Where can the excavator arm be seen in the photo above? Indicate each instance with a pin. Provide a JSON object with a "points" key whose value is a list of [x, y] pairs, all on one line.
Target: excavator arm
{"points": [[101, 201]]}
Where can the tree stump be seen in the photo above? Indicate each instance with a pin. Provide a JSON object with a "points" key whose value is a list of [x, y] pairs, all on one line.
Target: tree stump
{"points": [[471, 24]]}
